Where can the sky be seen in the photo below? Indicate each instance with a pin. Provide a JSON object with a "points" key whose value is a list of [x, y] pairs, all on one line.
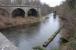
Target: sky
{"points": [[52, 3]]}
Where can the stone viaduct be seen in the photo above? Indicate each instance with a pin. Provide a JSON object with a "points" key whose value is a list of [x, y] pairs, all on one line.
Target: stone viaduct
{"points": [[19, 10]]}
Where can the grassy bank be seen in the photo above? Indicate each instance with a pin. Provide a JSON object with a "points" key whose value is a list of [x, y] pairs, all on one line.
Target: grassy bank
{"points": [[67, 13], [8, 22]]}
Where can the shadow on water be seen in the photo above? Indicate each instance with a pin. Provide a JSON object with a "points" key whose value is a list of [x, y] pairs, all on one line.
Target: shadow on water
{"points": [[28, 37]]}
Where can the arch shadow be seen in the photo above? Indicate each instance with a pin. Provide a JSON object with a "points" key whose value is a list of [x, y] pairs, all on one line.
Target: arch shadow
{"points": [[18, 13], [33, 12]]}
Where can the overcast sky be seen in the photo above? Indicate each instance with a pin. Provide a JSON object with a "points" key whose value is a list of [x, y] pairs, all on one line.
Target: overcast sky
{"points": [[52, 3]]}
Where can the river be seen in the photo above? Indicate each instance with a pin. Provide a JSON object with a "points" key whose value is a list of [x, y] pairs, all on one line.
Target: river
{"points": [[29, 37]]}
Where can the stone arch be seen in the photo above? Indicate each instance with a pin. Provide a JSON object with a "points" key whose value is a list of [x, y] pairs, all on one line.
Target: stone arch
{"points": [[4, 12], [18, 12], [32, 12]]}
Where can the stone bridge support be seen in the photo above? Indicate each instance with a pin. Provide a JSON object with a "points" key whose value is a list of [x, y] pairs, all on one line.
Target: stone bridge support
{"points": [[10, 9]]}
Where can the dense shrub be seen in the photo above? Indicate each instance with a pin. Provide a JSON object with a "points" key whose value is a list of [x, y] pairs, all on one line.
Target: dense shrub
{"points": [[71, 3]]}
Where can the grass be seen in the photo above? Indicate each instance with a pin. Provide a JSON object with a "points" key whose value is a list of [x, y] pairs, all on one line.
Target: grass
{"points": [[38, 48]]}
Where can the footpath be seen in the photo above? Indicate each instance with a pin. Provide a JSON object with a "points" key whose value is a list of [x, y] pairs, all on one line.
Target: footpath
{"points": [[5, 44]]}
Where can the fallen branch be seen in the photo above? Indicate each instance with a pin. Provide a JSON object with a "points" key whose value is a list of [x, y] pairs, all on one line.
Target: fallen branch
{"points": [[51, 38]]}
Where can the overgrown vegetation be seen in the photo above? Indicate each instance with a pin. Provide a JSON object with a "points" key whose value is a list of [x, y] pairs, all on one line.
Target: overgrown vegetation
{"points": [[67, 14], [38, 48], [71, 3]]}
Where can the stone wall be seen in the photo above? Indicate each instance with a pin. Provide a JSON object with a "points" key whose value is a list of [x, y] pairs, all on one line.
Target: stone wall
{"points": [[5, 44], [10, 9]]}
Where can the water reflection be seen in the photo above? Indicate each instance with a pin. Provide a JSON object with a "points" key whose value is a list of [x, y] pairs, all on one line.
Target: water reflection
{"points": [[29, 37]]}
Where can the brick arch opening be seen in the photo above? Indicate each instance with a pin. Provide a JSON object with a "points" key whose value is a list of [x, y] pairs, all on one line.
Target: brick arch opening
{"points": [[4, 12], [18, 13], [32, 12]]}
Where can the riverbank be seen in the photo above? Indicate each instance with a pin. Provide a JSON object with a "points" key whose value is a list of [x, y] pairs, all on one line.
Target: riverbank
{"points": [[67, 15], [8, 22], [27, 38]]}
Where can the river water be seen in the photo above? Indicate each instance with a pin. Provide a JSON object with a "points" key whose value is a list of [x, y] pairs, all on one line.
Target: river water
{"points": [[29, 37]]}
